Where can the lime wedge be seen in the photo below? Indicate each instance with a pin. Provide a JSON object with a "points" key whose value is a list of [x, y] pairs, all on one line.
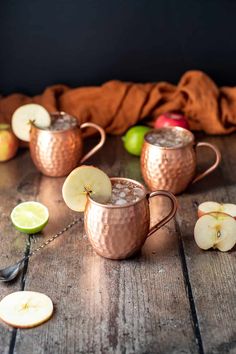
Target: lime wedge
{"points": [[29, 217]]}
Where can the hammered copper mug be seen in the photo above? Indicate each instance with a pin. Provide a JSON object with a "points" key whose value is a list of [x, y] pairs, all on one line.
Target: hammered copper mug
{"points": [[116, 231], [173, 168], [57, 152]]}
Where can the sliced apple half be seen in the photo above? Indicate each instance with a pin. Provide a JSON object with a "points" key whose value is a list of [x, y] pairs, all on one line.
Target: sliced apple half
{"points": [[84, 181], [215, 230], [25, 309], [29, 113], [209, 207]]}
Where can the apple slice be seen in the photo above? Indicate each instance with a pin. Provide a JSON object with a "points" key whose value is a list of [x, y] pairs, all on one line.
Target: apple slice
{"points": [[25, 309], [26, 114], [84, 181], [209, 207], [230, 209], [215, 230]]}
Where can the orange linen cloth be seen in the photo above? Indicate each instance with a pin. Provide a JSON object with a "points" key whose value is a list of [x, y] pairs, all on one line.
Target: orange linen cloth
{"points": [[118, 105]]}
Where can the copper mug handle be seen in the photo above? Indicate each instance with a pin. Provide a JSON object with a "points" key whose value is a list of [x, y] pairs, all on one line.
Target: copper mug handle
{"points": [[99, 145], [170, 215], [213, 167]]}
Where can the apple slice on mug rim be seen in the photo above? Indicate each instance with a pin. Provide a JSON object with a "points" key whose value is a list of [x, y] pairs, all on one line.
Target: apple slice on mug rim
{"points": [[83, 181], [26, 114]]}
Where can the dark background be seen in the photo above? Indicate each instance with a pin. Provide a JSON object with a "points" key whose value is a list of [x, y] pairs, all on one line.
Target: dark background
{"points": [[89, 42]]}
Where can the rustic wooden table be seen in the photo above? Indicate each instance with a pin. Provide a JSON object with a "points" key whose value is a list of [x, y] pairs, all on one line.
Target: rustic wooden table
{"points": [[170, 298]]}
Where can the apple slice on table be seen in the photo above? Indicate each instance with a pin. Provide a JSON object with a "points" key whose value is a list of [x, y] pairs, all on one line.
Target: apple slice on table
{"points": [[209, 207], [84, 181], [215, 230], [25, 309], [26, 114]]}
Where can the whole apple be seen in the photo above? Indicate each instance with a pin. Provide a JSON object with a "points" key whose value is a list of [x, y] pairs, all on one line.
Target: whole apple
{"points": [[8, 143], [171, 120]]}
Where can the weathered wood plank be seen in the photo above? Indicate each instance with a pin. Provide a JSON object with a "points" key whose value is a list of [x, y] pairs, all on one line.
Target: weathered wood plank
{"points": [[18, 179], [212, 273], [102, 306]]}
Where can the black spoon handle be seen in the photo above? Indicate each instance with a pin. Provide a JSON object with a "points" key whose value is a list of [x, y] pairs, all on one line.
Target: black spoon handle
{"points": [[66, 228]]}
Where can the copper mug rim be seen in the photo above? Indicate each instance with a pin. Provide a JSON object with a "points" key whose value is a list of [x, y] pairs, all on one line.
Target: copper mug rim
{"points": [[111, 206], [58, 131], [180, 146]]}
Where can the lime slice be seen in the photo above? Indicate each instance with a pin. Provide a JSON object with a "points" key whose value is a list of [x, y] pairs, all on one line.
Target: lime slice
{"points": [[29, 217]]}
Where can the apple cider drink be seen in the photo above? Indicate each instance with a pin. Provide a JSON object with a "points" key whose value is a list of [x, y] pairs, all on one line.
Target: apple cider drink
{"points": [[167, 138], [64, 122], [125, 192]]}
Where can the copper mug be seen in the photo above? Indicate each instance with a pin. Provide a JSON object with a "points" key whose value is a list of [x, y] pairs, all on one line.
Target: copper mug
{"points": [[117, 232], [173, 168], [57, 152]]}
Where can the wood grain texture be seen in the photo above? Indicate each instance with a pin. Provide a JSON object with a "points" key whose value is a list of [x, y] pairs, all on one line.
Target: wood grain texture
{"points": [[18, 182], [212, 273], [136, 306], [170, 298]]}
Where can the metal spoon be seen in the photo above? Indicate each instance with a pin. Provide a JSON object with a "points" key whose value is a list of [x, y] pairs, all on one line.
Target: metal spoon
{"points": [[9, 273]]}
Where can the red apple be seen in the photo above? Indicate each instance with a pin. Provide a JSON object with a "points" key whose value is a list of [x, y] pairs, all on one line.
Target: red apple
{"points": [[8, 143], [171, 120]]}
